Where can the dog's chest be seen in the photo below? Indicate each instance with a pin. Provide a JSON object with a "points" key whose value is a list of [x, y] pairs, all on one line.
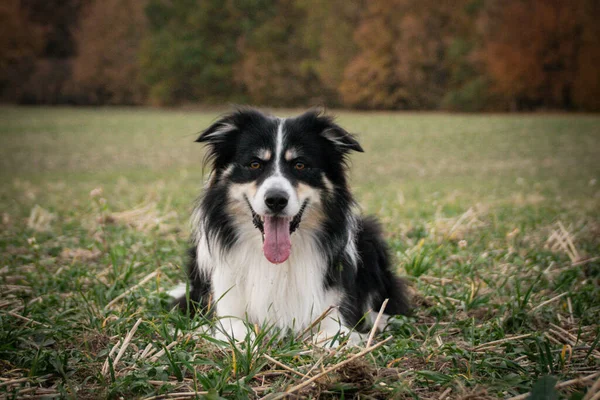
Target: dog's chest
{"points": [[289, 295]]}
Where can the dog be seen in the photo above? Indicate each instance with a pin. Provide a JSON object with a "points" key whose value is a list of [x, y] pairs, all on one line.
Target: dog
{"points": [[277, 235]]}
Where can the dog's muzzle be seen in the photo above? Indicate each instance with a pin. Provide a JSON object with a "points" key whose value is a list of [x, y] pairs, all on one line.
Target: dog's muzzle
{"points": [[258, 222]]}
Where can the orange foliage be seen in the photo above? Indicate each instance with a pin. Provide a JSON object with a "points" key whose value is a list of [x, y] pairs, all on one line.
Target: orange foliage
{"points": [[370, 80], [19, 39], [334, 29], [20, 42], [540, 52], [106, 68], [377, 54], [403, 53], [274, 66]]}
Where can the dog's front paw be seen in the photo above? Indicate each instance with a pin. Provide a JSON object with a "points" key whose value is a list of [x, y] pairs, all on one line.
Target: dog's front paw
{"points": [[357, 339], [230, 330], [344, 336]]}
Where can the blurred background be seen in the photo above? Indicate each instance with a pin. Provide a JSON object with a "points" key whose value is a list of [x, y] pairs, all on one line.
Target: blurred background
{"points": [[463, 55]]}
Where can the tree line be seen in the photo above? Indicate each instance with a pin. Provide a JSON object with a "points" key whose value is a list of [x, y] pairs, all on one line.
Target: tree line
{"points": [[466, 55]]}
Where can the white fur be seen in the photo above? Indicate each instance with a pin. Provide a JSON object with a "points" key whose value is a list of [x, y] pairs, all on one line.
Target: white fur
{"points": [[383, 321], [196, 225], [276, 182], [350, 248], [279, 146], [178, 291], [247, 287]]}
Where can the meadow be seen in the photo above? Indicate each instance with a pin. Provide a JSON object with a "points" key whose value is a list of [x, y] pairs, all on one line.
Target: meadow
{"points": [[494, 220]]}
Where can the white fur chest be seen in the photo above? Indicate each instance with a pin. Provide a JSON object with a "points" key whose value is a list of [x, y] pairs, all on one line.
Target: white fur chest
{"points": [[288, 295]]}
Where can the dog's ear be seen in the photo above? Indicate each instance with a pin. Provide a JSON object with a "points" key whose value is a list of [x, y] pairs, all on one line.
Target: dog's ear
{"points": [[222, 135], [227, 127], [219, 138], [343, 141], [218, 131]]}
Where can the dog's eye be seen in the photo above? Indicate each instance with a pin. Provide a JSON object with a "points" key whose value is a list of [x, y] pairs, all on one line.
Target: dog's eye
{"points": [[299, 166], [255, 165]]}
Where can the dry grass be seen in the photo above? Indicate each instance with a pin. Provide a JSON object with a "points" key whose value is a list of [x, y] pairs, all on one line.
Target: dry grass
{"points": [[494, 220]]}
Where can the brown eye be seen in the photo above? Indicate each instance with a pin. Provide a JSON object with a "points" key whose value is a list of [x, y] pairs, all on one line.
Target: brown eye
{"points": [[255, 165], [299, 166]]}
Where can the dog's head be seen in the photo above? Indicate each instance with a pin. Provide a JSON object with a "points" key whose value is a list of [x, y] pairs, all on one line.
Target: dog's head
{"points": [[278, 171]]}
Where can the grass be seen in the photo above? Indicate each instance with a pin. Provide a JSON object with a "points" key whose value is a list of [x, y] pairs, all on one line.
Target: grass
{"points": [[494, 219]]}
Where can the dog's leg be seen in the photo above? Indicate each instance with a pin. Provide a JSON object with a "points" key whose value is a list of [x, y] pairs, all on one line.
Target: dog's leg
{"points": [[230, 307], [332, 332], [199, 289]]}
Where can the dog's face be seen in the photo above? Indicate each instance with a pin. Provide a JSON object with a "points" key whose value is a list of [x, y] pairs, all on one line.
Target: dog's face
{"points": [[278, 171]]}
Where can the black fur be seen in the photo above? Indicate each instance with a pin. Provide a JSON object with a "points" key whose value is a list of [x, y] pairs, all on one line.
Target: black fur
{"points": [[199, 299], [374, 278]]}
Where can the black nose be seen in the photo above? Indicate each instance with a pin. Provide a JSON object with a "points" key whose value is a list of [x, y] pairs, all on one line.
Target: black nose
{"points": [[276, 200]]}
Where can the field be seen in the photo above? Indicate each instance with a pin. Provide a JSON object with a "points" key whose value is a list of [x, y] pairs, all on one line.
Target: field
{"points": [[493, 219]]}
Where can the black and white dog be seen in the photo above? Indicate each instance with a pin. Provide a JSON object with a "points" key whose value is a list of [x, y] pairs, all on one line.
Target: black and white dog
{"points": [[277, 236]]}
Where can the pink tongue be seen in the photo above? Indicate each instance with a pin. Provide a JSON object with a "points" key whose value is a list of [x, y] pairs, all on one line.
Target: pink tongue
{"points": [[277, 244]]}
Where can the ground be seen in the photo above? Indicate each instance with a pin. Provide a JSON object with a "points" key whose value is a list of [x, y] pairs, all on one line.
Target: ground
{"points": [[493, 219]]}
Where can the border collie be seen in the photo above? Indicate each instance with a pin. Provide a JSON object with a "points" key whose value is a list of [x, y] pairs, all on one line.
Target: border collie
{"points": [[277, 235]]}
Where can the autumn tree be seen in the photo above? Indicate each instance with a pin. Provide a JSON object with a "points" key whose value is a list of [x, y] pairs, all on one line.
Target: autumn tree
{"points": [[377, 54], [39, 33], [277, 63], [190, 52], [370, 79], [106, 69], [328, 31], [431, 32], [404, 58], [586, 85], [543, 53], [21, 41], [50, 80]]}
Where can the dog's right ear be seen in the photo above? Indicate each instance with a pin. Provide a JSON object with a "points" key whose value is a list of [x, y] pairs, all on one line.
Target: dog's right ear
{"points": [[221, 136], [218, 137], [229, 125], [218, 131]]}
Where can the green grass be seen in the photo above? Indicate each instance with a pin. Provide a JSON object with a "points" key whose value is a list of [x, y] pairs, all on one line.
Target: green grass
{"points": [[494, 219]]}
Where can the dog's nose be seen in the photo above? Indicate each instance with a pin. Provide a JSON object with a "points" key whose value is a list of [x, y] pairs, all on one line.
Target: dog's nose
{"points": [[276, 200]]}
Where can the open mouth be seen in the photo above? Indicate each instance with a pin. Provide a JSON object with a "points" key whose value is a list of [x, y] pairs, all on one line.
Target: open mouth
{"points": [[276, 232]]}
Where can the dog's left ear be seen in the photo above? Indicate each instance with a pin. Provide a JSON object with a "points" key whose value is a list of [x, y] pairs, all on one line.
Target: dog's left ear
{"points": [[342, 139]]}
